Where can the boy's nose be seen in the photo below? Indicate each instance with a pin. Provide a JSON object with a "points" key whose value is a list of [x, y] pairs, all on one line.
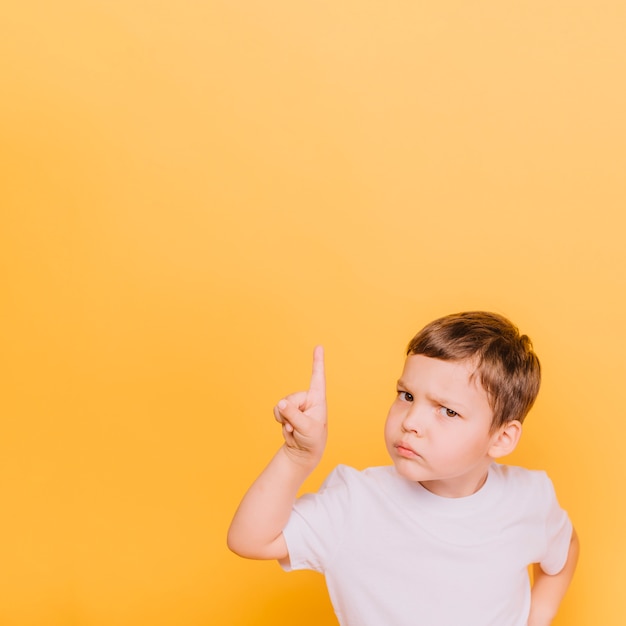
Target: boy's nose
{"points": [[413, 422]]}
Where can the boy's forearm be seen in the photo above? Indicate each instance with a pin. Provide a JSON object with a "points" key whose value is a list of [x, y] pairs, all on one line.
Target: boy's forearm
{"points": [[256, 529], [548, 590]]}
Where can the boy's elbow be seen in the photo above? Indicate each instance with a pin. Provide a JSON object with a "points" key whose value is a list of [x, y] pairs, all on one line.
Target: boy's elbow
{"points": [[235, 544], [244, 547]]}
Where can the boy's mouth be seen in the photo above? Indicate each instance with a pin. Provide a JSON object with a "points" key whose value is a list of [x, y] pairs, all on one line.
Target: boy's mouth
{"points": [[406, 451]]}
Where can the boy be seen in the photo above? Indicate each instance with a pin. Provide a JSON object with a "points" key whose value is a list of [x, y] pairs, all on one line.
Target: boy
{"points": [[445, 535]]}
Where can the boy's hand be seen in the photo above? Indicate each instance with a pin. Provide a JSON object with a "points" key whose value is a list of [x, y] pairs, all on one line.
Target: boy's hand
{"points": [[303, 416]]}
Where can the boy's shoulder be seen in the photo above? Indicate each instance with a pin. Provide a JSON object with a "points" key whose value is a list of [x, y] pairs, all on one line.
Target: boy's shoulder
{"points": [[517, 472], [351, 479], [516, 475], [348, 474], [523, 487]]}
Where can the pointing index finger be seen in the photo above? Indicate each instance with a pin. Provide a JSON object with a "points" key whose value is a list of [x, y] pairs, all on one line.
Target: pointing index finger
{"points": [[317, 388]]}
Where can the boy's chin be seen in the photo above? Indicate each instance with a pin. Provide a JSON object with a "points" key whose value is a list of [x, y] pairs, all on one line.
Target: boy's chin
{"points": [[410, 472]]}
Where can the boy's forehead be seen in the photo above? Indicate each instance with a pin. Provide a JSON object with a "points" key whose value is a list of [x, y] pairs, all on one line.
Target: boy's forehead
{"points": [[447, 373]]}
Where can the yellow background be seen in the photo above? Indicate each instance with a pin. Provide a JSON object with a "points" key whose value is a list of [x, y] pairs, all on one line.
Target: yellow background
{"points": [[196, 193]]}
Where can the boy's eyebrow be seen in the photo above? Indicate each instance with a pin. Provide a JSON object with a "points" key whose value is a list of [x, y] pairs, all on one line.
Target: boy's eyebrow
{"points": [[447, 403], [462, 409]]}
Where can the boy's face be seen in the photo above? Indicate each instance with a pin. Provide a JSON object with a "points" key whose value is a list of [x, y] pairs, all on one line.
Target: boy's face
{"points": [[438, 431]]}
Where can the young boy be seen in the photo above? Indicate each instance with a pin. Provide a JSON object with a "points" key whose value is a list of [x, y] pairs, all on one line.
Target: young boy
{"points": [[445, 535]]}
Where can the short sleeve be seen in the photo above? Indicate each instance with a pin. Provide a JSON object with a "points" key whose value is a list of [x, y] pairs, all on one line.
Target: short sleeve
{"points": [[317, 522], [558, 531]]}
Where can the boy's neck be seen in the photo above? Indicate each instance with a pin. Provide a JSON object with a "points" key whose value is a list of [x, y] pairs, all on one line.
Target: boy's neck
{"points": [[456, 487]]}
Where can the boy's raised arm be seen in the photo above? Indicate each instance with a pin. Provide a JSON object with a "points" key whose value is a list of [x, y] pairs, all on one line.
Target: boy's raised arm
{"points": [[256, 529]]}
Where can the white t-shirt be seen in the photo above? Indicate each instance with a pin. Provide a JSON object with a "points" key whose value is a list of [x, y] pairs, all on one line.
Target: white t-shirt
{"points": [[395, 554]]}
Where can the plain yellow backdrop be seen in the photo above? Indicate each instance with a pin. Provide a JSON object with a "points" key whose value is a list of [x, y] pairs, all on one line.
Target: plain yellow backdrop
{"points": [[193, 194]]}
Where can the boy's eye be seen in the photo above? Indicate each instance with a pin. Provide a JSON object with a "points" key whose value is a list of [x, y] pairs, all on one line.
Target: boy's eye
{"points": [[405, 395], [446, 412]]}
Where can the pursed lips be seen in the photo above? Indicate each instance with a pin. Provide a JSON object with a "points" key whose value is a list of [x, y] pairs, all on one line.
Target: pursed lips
{"points": [[404, 449]]}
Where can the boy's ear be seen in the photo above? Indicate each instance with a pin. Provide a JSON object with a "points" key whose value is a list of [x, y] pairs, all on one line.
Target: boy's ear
{"points": [[505, 439]]}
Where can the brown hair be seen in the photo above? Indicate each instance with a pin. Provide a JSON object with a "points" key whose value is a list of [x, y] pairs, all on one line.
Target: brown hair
{"points": [[506, 365]]}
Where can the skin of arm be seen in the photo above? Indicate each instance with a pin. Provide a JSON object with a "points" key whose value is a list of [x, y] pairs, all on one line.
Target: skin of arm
{"points": [[548, 590], [256, 529]]}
